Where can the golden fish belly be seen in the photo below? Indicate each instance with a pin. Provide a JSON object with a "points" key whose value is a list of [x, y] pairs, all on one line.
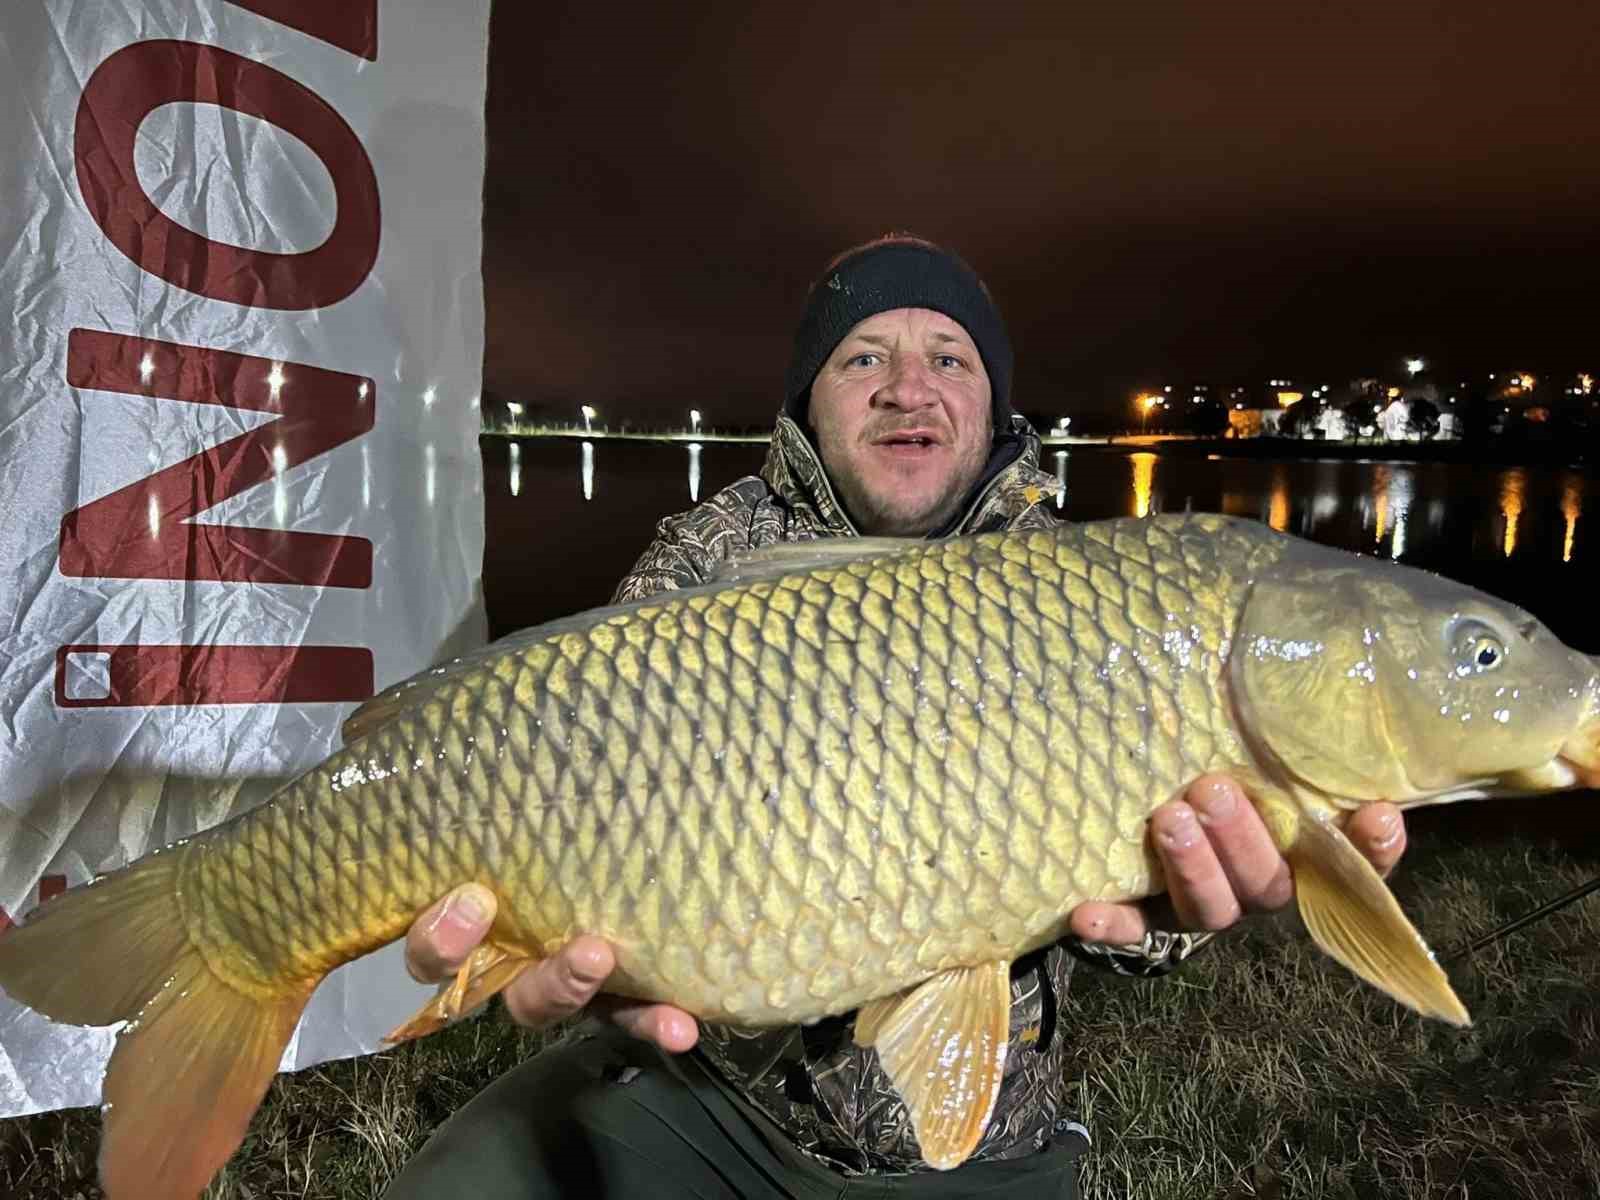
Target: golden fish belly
{"points": [[784, 797]]}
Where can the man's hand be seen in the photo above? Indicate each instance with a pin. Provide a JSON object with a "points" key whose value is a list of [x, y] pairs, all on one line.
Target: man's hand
{"points": [[1221, 863], [443, 937]]}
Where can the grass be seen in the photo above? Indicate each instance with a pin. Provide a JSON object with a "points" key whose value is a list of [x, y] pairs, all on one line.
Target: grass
{"points": [[1260, 1070]]}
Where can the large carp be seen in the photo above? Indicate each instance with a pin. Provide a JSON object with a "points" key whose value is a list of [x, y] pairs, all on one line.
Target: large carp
{"points": [[852, 774]]}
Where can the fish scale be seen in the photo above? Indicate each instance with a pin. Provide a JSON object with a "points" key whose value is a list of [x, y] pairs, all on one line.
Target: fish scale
{"points": [[781, 798]]}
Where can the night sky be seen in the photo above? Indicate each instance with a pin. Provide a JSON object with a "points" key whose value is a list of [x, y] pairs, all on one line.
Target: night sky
{"points": [[1155, 192]]}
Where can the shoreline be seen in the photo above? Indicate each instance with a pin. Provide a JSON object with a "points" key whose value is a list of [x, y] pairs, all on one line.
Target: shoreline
{"points": [[1579, 458]]}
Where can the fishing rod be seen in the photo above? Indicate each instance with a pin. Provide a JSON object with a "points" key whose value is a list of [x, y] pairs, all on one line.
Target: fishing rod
{"points": [[1528, 918]]}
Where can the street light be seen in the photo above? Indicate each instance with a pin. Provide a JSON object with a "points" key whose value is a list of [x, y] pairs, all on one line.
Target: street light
{"points": [[1415, 366], [588, 418], [694, 419]]}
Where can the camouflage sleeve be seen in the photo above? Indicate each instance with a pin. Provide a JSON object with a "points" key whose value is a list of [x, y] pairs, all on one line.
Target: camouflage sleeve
{"points": [[1159, 953], [689, 545]]}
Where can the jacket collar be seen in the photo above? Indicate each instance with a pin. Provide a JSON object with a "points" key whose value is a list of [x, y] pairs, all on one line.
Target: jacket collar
{"points": [[1010, 484]]}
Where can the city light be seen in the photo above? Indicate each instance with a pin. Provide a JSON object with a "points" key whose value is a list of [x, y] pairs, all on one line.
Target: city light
{"points": [[694, 419], [513, 408], [1415, 366], [588, 419], [1290, 399]]}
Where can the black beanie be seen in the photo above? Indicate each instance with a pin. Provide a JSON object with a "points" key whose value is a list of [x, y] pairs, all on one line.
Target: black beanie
{"points": [[897, 272]]}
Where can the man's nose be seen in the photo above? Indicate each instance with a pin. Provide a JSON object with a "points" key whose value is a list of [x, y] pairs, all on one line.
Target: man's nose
{"points": [[910, 385]]}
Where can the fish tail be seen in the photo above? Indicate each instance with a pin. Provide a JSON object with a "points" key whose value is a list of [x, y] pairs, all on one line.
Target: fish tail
{"points": [[197, 1053]]}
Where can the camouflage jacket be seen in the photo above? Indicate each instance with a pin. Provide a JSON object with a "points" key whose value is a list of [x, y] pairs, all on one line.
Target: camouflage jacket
{"points": [[828, 1095]]}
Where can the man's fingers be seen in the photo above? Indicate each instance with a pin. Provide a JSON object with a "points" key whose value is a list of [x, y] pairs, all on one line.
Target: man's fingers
{"points": [[1196, 882], [1256, 872], [1379, 832], [1113, 924], [559, 986], [670, 1028], [443, 937]]}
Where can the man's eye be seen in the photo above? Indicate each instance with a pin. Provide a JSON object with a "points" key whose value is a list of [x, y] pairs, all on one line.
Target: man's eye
{"points": [[948, 361], [864, 359]]}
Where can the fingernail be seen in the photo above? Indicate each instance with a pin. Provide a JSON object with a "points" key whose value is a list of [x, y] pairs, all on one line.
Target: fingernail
{"points": [[465, 909], [1214, 803], [1178, 829], [1390, 827]]}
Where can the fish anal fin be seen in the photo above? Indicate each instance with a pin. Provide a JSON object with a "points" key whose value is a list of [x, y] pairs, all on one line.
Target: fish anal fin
{"points": [[943, 1046], [488, 970], [1353, 916], [186, 1076]]}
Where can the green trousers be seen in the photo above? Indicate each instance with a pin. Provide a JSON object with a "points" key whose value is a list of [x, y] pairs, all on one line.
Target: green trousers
{"points": [[601, 1115]]}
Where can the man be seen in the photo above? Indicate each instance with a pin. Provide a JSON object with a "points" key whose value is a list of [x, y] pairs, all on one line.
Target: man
{"points": [[897, 421]]}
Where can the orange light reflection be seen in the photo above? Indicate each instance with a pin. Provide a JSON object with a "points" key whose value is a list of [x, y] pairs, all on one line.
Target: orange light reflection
{"points": [[1278, 510], [1571, 509], [1513, 487], [1144, 470]]}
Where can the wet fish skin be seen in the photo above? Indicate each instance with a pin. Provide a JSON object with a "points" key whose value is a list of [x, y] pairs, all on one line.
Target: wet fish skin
{"points": [[782, 799], [810, 790]]}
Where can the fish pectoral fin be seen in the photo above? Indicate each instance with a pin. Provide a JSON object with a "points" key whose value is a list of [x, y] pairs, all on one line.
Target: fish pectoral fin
{"points": [[489, 969], [871, 1016], [1351, 913], [943, 1046]]}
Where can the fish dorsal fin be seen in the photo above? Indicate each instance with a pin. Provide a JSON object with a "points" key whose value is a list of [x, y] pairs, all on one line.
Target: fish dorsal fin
{"points": [[409, 693], [796, 558], [1351, 913], [770, 562], [943, 1046]]}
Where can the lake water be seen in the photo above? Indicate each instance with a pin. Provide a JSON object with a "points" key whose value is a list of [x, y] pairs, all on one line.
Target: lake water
{"points": [[1519, 532], [1527, 534]]}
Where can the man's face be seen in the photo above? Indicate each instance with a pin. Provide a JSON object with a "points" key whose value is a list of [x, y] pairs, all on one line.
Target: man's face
{"points": [[901, 411]]}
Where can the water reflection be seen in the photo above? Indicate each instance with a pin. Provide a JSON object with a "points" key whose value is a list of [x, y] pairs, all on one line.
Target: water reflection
{"points": [[1144, 470], [1427, 514], [1513, 489], [1571, 509], [1394, 489], [1278, 503]]}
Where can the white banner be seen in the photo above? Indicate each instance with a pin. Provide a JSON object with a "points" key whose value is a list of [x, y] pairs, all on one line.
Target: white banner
{"points": [[239, 375]]}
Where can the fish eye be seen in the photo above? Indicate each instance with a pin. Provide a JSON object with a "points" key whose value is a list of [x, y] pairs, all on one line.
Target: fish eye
{"points": [[1477, 648]]}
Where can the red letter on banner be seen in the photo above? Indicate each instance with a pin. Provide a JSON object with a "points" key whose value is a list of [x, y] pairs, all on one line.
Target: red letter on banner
{"points": [[144, 531], [348, 24], [138, 79], [143, 676]]}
